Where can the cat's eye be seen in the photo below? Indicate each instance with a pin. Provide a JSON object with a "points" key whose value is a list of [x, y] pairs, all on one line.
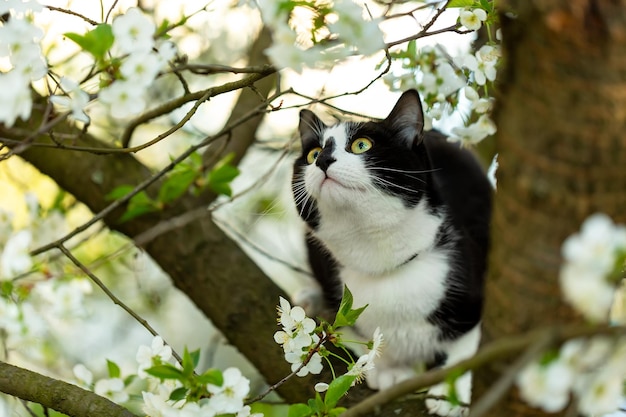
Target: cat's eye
{"points": [[361, 145], [313, 154]]}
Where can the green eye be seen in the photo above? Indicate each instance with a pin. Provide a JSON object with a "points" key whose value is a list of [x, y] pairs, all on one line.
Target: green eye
{"points": [[361, 145], [313, 154]]}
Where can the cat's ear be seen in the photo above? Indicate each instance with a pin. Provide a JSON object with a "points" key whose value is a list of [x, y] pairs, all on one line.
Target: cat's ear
{"points": [[310, 127], [407, 119]]}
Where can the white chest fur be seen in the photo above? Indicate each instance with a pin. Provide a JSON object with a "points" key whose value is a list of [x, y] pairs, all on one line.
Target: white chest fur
{"points": [[399, 303]]}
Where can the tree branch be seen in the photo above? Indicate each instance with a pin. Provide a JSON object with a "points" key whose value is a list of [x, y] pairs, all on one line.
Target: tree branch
{"points": [[55, 394], [497, 350]]}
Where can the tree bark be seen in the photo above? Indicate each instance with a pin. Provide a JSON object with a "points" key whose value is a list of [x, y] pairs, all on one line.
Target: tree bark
{"points": [[58, 395], [561, 113]]}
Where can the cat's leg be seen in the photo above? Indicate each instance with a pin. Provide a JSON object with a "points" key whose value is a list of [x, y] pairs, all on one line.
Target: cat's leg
{"points": [[383, 377], [460, 349]]}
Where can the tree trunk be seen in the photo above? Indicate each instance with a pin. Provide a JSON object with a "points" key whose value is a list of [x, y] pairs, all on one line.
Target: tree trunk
{"points": [[561, 116]]}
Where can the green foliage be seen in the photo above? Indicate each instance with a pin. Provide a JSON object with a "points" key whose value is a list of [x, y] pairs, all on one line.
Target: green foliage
{"points": [[139, 204], [186, 176], [97, 41], [194, 386], [114, 370], [337, 389], [347, 316], [223, 173], [461, 3]]}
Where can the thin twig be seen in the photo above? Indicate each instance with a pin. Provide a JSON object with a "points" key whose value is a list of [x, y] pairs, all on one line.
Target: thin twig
{"points": [[73, 13], [305, 362], [112, 296], [171, 105], [147, 182]]}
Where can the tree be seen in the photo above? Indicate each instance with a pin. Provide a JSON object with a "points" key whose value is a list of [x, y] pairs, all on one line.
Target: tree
{"points": [[536, 180]]}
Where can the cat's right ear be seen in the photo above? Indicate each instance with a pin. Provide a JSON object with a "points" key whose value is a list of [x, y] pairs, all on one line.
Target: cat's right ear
{"points": [[311, 128], [407, 118]]}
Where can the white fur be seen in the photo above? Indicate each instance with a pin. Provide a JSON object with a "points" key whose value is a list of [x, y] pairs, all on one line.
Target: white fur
{"points": [[373, 235]]}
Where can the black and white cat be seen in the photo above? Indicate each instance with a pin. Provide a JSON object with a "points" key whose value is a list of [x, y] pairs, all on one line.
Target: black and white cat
{"points": [[401, 217]]}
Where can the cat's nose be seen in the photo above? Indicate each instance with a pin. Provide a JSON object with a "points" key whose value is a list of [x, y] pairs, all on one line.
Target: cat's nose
{"points": [[324, 159]]}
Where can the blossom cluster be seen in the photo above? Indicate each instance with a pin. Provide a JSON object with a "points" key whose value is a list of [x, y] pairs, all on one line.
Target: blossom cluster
{"points": [[592, 370], [157, 399], [20, 45], [32, 296], [302, 345], [142, 60], [594, 258], [443, 82], [298, 339], [139, 58], [300, 40]]}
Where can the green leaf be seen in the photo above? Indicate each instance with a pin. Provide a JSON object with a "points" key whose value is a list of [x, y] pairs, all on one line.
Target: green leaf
{"points": [[222, 174], [139, 204], [6, 288], [119, 192], [212, 376], [114, 370], [335, 412], [165, 372], [129, 380], [190, 361], [347, 316], [97, 41], [178, 394], [299, 410], [460, 3], [338, 389], [176, 184]]}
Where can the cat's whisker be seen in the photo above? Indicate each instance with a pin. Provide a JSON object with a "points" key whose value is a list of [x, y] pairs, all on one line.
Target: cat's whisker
{"points": [[403, 171], [390, 184]]}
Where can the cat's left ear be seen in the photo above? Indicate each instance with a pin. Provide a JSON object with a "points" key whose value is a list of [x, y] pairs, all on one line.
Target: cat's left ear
{"points": [[407, 119]]}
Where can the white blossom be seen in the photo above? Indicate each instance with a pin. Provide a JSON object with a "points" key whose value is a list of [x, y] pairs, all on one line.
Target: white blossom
{"points": [[475, 132], [351, 28], [133, 32], [472, 19], [83, 375], [19, 7], [75, 99], [65, 299], [112, 389], [589, 257], [482, 63], [601, 393], [313, 366], [229, 397], [141, 68], [125, 98], [156, 405], [285, 51], [297, 329], [321, 387], [145, 355], [546, 385], [15, 97], [588, 292], [15, 258]]}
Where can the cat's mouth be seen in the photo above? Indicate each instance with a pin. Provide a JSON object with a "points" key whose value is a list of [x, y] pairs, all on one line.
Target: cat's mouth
{"points": [[330, 181]]}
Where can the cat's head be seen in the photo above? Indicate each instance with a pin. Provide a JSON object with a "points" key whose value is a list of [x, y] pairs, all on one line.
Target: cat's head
{"points": [[355, 163]]}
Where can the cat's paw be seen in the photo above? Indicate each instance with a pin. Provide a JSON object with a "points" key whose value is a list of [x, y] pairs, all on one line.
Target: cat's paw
{"points": [[311, 299], [442, 407], [381, 378]]}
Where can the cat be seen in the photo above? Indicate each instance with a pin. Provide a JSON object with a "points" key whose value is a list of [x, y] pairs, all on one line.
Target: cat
{"points": [[401, 217]]}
